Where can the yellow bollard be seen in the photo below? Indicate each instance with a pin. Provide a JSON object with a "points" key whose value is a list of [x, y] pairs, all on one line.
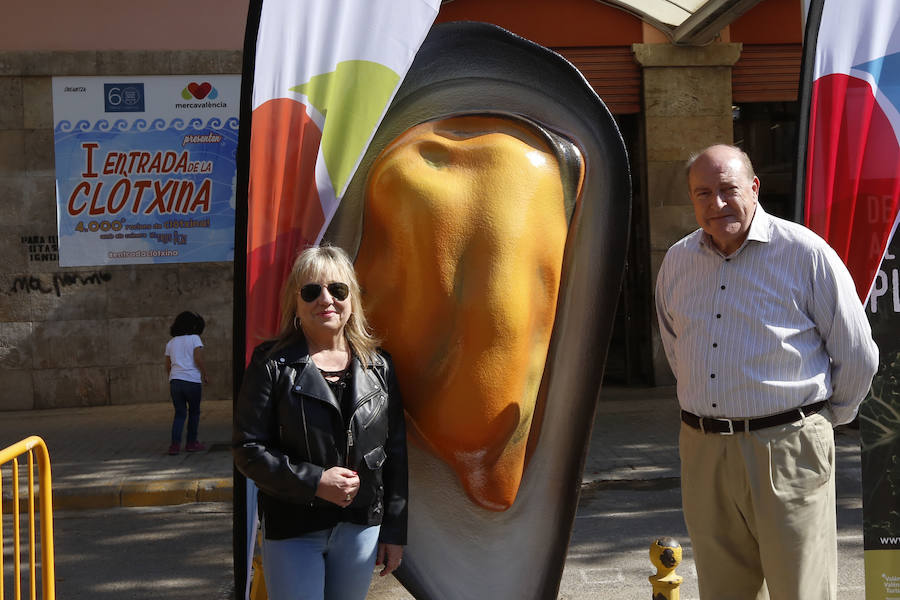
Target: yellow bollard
{"points": [[665, 554]]}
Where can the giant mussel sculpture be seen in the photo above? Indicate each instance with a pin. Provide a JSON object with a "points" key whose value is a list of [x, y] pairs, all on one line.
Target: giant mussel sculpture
{"points": [[489, 220]]}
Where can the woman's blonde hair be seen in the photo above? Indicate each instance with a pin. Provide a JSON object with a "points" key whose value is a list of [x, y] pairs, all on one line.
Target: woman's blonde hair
{"points": [[310, 265]]}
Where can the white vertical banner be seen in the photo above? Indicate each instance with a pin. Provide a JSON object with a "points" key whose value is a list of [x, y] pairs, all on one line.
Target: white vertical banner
{"points": [[324, 74]]}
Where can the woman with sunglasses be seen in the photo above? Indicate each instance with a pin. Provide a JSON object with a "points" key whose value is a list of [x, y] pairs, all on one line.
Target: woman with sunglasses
{"points": [[319, 427]]}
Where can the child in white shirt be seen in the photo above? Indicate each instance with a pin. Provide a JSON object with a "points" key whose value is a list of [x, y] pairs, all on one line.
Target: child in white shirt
{"points": [[187, 374]]}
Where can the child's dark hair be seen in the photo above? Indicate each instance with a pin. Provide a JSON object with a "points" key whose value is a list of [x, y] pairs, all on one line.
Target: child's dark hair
{"points": [[187, 323]]}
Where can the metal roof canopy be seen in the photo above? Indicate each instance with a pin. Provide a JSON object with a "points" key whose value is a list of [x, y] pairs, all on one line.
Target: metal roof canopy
{"points": [[686, 22]]}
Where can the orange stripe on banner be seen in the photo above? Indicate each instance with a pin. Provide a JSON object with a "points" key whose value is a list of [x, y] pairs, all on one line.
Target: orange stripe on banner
{"points": [[282, 194]]}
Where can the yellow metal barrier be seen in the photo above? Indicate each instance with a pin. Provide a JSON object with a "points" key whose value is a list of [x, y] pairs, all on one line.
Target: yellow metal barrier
{"points": [[32, 447]]}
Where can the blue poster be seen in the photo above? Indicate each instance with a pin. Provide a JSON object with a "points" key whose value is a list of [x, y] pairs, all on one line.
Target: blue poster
{"points": [[145, 168]]}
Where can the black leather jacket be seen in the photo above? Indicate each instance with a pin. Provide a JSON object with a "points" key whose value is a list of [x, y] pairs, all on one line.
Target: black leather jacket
{"points": [[288, 429]]}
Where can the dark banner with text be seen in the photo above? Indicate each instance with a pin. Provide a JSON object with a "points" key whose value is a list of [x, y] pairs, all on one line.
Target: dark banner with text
{"points": [[850, 193]]}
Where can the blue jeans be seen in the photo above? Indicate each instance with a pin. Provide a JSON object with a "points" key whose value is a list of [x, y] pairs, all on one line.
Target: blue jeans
{"points": [[332, 564], [186, 399]]}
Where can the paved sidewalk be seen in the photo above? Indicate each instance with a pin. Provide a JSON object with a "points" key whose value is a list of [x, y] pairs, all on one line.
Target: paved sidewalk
{"points": [[108, 456], [117, 455], [635, 436]]}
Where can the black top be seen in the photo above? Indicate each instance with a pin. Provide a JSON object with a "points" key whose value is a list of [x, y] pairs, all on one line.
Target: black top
{"points": [[342, 390]]}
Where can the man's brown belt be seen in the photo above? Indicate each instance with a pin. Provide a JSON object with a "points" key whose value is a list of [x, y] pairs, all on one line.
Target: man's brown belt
{"points": [[729, 426]]}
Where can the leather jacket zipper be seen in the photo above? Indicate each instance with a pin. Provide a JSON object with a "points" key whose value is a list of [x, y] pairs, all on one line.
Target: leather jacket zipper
{"points": [[305, 430], [356, 407], [349, 446]]}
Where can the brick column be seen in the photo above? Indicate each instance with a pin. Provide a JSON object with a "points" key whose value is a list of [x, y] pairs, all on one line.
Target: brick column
{"points": [[687, 106]]}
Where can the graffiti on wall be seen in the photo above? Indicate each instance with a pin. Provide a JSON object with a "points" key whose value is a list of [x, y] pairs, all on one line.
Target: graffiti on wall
{"points": [[54, 283]]}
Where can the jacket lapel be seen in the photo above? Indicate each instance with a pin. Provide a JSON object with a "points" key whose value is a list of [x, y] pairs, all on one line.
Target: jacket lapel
{"points": [[311, 383], [309, 380]]}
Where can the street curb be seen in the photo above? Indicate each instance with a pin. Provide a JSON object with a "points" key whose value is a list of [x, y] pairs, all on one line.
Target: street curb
{"points": [[145, 493]]}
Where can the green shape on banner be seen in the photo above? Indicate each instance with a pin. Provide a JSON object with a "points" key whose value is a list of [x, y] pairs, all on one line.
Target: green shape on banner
{"points": [[351, 98], [185, 94]]}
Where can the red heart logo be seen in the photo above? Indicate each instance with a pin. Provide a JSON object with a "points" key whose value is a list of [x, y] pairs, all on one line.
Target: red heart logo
{"points": [[199, 90]]}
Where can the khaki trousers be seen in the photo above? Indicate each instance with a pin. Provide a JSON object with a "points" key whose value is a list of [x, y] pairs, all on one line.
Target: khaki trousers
{"points": [[760, 511]]}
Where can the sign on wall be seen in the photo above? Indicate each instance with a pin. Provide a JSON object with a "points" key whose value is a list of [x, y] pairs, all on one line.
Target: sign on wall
{"points": [[145, 168]]}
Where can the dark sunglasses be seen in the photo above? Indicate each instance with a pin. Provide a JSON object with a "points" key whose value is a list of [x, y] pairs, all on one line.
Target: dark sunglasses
{"points": [[310, 292]]}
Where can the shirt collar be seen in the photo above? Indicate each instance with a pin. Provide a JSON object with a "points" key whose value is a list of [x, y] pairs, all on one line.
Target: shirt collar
{"points": [[760, 231]]}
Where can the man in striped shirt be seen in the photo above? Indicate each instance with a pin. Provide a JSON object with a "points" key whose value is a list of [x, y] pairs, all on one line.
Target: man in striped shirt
{"points": [[771, 348]]}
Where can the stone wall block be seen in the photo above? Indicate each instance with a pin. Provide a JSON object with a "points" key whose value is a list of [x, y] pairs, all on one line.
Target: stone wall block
{"points": [[12, 192], [220, 386], [193, 62], [11, 108], [29, 204], [37, 102], [12, 152], [64, 344], [667, 184], [38, 211], [207, 288], [16, 391], [44, 63], [40, 269], [217, 337], [15, 302], [231, 61], [145, 291], [138, 341], [687, 91], [668, 224], [203, 62], [668, 55], [13, 251], [675, 139], [134, 62], [73, 63], [32, 62], [16, 345], [39, 152], [138, 384], [65, 388], [70, 294]]}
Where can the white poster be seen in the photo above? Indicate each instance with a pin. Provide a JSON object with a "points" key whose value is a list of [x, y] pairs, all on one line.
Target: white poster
{"points": [[145, 168]]}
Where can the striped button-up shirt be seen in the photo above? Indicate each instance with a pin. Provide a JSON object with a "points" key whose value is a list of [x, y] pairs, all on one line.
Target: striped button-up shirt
{"points": [[774, 326]]}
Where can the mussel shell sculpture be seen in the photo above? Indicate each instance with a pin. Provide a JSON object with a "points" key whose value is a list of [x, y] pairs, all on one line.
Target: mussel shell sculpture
{"points": [[461, 546]]}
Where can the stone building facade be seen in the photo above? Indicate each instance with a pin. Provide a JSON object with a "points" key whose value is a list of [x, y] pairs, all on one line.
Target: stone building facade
{"points": [[74, 337], [88, 336]]}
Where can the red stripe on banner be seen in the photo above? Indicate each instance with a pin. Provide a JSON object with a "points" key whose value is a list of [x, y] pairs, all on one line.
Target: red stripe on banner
{"points": [[851, 177], [284, 214], [270, 265]]}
